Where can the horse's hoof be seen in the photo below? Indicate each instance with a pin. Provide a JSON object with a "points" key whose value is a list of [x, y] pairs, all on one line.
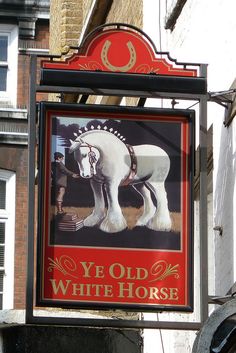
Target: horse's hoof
{"points": [[141, 223], [112, 227], [159, 225], [92, 221]]}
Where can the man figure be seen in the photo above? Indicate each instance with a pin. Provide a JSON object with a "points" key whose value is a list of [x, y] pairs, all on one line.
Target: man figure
{"points": [[59, 179]]}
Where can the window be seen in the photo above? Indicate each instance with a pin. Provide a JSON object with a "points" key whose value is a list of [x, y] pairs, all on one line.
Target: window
{"points": [[3, 62], [8, 64], [7, 236]]}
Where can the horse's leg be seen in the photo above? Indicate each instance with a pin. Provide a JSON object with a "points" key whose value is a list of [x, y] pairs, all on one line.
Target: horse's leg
{"points": [[148, 207], [114, 220], [161, 219], [99, 205]]}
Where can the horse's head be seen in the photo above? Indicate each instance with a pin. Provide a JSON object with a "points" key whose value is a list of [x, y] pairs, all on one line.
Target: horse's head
{"points": [[86, 156]]}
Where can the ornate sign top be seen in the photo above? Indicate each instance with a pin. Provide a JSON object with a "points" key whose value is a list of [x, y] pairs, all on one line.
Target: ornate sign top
{"points": [[127, 50]]}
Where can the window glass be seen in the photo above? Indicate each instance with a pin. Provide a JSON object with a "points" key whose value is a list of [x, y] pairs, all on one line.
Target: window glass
{"points": [[2, 253], [2, 193], [3, 48], [2, 233], [3, 78]]}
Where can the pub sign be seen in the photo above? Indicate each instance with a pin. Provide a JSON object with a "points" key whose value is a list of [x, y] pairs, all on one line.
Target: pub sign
{"points": [[115, 207]]}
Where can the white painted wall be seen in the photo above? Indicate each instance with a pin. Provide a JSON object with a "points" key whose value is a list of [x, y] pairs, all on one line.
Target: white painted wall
{"points": [[205, 33]]}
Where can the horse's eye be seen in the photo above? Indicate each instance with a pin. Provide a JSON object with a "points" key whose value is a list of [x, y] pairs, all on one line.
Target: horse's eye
{"points": [[83, 155]]}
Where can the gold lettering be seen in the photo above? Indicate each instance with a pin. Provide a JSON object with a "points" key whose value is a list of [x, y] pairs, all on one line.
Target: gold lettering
{"points": [[174, 294], [129, 275], [108, 290], [87, 268], [139, 273], [83, 289], [97, 288], [60, 286], [153, 293], [116, 267], [122, 290], [164, 293], [139, 294], [99, 272]]}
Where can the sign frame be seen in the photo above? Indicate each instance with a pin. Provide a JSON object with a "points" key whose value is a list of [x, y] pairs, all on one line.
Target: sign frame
{"points": [[153, 119], [103, 83]]}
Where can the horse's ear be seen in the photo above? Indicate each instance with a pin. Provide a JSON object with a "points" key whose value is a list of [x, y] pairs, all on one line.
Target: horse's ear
{"points": [[74, 146]]}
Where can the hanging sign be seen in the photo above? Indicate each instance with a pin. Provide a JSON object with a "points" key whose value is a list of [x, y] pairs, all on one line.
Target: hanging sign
{"points": [[115, 207]]}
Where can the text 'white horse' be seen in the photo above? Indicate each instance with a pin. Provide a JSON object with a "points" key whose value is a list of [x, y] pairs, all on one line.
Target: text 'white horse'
{"points": [[106, 160]]}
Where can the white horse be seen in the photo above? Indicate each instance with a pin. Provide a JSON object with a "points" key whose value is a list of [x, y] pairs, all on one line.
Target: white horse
{"points": [[106, 160]]}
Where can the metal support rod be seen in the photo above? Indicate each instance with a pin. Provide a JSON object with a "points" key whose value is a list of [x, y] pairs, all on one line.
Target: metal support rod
{"points": [[124, 324], [31, 186], [203, 203]]}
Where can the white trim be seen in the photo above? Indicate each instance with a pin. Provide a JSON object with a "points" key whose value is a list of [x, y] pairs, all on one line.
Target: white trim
{"points": [[11, 31], [87, 22], [13, 133], [8, 217]]}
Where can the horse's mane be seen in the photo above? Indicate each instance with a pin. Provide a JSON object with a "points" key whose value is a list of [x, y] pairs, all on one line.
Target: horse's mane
{"points": [[99, 128], [95, 136]]}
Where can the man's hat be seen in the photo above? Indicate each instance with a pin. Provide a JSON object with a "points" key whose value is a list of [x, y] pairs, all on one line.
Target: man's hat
{"points": [[58, 155]]}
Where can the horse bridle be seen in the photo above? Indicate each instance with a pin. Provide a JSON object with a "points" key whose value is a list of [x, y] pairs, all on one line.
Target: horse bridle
{"points": [[91, 155]]}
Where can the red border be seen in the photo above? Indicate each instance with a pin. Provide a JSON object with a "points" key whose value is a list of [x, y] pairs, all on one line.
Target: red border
{"points": [[116, 276]]}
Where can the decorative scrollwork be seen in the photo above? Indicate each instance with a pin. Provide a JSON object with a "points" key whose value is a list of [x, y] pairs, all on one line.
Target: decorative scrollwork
{"points": [[124, 68], [91, 66], [64, 264], [146, 69], [161, 269]]}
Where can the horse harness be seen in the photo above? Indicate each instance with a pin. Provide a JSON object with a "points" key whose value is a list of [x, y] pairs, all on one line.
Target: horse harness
{"points": [[91, 155], [133, 166]]}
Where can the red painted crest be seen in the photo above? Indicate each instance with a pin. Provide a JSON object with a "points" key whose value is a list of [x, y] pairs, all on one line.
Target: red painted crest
{"points": [[121, 50]]}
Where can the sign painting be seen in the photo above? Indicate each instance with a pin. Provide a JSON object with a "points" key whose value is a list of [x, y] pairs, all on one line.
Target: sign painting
{"points": [[115, 207]]}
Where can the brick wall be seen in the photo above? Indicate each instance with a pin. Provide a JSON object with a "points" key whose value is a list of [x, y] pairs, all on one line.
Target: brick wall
{"points": [[65, 24], [16, 160], [126, 11], [41, 42]]}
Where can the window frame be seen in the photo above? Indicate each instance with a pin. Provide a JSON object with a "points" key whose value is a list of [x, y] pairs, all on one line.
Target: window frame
{"points": [[7, 216], [9, 95]]}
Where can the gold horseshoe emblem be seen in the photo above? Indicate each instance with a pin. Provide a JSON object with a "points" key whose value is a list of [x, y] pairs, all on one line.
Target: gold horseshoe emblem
{"points": [[111, 67]]}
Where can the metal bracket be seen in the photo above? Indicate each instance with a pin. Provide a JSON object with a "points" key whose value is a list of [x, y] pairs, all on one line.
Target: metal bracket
{"points": [[227, 100], [223, 98]]}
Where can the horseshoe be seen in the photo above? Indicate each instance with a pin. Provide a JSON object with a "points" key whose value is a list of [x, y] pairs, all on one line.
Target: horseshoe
{"points": [[111, 67]]}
